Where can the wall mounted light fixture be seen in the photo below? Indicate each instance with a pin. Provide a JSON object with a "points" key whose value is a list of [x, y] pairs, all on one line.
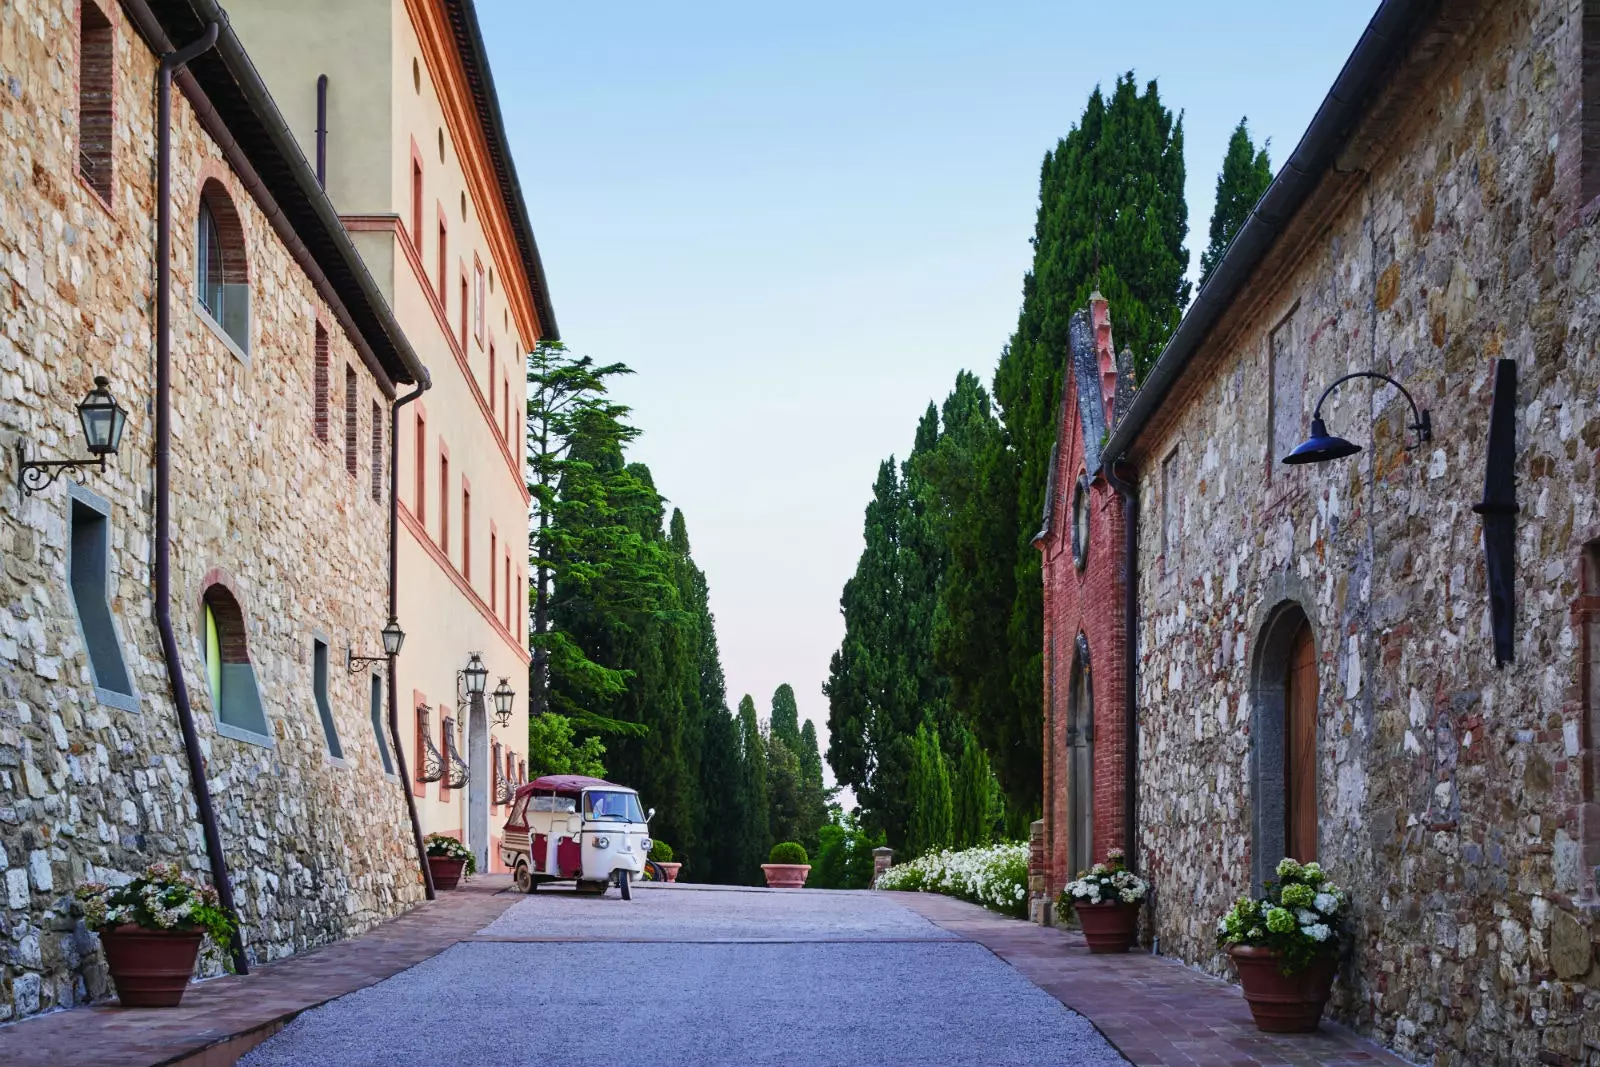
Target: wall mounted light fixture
{"points": [[103, 420], [393, 637], [1322, 446], [504, 697]]}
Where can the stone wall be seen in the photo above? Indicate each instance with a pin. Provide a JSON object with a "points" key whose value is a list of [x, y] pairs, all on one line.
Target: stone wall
{"points": [[318, 849], [1450, 789]]}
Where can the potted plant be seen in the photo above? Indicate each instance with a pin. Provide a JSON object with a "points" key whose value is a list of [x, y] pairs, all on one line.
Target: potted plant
{"points": [[151, 929], [1285, 946], [448, 859], [786, 866], [1107, 898], [661, 852]]}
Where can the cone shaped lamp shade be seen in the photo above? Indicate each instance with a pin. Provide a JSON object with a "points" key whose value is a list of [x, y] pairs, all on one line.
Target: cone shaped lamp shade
{"points": [[1321, 446]]}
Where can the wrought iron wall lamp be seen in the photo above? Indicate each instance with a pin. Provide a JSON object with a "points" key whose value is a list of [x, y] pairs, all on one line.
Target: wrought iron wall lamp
{"points": [[1321, 446], [103, 420], [393, 637]]}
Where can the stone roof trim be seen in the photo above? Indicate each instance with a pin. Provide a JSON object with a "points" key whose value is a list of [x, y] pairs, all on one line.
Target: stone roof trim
{"points": [[1049, 494], [1084, 331], [1365, 73]]}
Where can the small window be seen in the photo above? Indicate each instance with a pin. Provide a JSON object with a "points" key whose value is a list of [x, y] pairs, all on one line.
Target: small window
{"points": [[377, 725], [491, 376], [95, 120], [466, 306], [1169, 511], [230, 676], [1080, 522], [508, 590], [352, 431], [416, 204], [444, 257], [88, 575], [505, 406], [477, 305], [319, 687], [446, 741], [422, 469], [221, 273], [320, 386], [444, 503], [466, 535], [377, 452], [494, 546]]}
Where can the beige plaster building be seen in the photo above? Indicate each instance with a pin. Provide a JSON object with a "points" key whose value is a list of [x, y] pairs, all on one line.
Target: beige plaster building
{"points": [[395, 98]]}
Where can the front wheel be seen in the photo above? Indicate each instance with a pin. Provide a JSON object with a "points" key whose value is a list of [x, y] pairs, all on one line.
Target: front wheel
{"points": [[523, 879], [622, 884]]}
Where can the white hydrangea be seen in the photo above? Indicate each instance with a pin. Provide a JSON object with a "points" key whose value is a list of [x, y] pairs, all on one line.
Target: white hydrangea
{"points": [[1316, 931], [1326, 903]]}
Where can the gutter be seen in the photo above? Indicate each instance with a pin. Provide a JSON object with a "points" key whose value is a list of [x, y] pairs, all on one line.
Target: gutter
{"points": [[1385, 39], [1130, 644]]}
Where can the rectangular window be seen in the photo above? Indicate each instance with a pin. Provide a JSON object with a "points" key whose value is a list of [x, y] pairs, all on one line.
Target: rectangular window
{"points": [[444, 503], [422, 469], [446, 739], [416, 204], [95, 125], [505, 392], [88, 575], [420, 740], [466, 535], [377, 452], [444, 257], [378, 733], [477, 305], [1285, 391], [1170, 520], [351, 430], [490, 379], [319, 687], [494, 544], [320, 385], [466, 306], [521, 609]]}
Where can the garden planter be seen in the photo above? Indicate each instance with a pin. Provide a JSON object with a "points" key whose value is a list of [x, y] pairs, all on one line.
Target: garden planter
{"points": [[1283, 1003], [1108, 927], [446, 871], [670, 870], [786, 875], [151, 968]]}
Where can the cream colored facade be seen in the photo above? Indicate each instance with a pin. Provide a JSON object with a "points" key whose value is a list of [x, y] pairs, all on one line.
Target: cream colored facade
{"points": [[411, 159]]}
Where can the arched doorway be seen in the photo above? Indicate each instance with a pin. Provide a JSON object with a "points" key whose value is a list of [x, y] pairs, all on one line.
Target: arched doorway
{"points": [[1080, 762], [1283, 751]]}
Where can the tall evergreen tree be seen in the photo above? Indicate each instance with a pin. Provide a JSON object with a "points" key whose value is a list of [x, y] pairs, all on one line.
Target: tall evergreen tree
{"points": [[970, 791], [755, 836], [932, 812], [785, 793], [786, 717], [725, 815], [814, 795], [1246, 173]]}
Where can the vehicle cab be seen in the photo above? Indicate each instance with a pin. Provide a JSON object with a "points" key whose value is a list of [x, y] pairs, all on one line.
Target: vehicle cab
{"points": [[570, 827]]}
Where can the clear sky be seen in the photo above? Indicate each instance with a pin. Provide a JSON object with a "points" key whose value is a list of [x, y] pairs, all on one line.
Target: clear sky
{"points": [[797, 222]]}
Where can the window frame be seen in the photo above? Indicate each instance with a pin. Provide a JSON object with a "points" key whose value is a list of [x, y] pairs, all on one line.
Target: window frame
{"points": [[321, 657], [104, 33], [229, 321], [218, 674], [79, 497]]}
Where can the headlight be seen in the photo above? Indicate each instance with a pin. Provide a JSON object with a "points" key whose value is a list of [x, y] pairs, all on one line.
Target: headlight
{"points": [[602, 842], [644, 843]]}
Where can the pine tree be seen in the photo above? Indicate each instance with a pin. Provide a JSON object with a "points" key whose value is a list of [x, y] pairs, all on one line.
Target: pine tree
{"points": [[1245, 175]]}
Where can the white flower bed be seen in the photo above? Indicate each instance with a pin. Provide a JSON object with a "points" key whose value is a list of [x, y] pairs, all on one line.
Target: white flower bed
{"points": [[995, 876]]}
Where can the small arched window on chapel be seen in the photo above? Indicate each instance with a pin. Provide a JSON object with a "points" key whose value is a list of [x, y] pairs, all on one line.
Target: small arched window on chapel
{"points": [[222, 279]]}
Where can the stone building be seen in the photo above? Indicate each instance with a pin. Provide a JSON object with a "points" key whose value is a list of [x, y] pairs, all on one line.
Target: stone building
{"points": [[1377, 661], [285, 359], [396, 98], [1088, 806]]}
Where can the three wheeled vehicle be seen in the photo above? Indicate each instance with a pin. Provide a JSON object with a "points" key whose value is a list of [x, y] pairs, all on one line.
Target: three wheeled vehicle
{"points": [[569, 827]]}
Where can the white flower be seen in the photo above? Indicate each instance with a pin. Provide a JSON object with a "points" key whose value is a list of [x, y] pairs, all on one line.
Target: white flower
{"points": [[1316, 931], [1304, 917], [1327, 903]]}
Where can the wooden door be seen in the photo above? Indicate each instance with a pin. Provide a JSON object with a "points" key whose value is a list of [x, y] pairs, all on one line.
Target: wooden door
{"points": [[1300, 749]]}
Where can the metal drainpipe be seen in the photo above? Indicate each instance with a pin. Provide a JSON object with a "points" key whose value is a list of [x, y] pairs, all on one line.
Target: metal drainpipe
{"points": [[1130, 614], [171, 63], [394, 598], [322, 130]]}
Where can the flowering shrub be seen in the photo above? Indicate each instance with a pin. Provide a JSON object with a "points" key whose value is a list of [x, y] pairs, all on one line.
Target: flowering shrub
{"points": [[1302, 916], [161, 898], [449, 848], [995, 876], [1106, 883]]}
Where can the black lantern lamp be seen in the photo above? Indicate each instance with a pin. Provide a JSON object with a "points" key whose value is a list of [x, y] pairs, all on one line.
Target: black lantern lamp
{"points": [[1321, 446], [504, 696], [393, 637], [476, 675], [103, 421]]}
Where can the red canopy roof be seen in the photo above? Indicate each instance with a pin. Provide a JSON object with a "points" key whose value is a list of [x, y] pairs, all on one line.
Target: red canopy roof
{"points": [[565, 783]]}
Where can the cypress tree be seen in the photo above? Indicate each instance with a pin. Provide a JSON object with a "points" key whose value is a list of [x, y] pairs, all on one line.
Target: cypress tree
{"points": [[786, 717], [813, 793], [932, 804], [1246, 173], [785, 793], [755, 835], [971, 795]]}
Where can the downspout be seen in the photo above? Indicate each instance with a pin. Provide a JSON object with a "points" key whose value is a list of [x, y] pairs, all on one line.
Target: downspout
{"points": [[1130, 641], [322, 130], [170, 63], [394, 611]]}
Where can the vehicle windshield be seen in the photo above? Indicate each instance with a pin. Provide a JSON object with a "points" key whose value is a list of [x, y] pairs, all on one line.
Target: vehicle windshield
{"points": [[612, 806]]}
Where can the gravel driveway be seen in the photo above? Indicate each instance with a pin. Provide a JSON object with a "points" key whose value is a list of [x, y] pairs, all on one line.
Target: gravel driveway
{"points": [[698, 976]]}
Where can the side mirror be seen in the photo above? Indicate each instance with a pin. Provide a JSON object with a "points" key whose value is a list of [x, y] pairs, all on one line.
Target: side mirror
{"points": [[649, 814], [574, 825]]}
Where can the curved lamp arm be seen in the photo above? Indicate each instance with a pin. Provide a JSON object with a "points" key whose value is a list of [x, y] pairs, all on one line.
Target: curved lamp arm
{"points": [[1422, 423]]}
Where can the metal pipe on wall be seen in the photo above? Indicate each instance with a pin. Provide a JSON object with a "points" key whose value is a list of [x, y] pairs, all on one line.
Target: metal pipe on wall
{"points": [[322, 130], [170, 63]]}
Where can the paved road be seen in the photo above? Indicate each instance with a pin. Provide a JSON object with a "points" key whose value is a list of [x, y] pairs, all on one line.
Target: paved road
{"points": [[698, 976]]}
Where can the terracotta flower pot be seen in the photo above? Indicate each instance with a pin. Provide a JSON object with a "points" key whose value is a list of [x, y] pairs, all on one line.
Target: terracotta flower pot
{"points": [[1109, 927], [151, 968], [446, 871], [1283, 1003], [786, 875], [670, 870]]}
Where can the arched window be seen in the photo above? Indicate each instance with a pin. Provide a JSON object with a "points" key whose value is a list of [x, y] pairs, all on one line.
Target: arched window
{"points": [[1283, 735], [222, 280], [230, 676], [1080, 762]]}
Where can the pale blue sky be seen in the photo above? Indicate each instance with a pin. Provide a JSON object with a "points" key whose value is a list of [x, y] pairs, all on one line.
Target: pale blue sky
{"points": [[798, 222]]}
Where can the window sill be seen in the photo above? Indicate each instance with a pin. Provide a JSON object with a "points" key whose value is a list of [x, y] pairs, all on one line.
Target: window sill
{"points": [[249, 737], [222, 335], [336, 761], [113, 699]]}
